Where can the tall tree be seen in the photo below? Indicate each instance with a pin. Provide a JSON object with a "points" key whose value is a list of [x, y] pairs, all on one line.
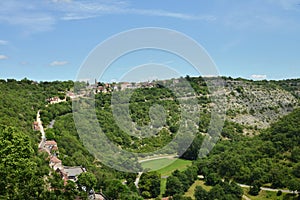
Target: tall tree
{"points": [[200, 193], [18, 169], [87, 180], [174, 186], [150, 184]]}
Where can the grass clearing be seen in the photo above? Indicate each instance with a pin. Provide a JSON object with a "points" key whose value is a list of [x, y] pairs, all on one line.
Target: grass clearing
{"points": [[173, 164], [156, 164], [190, 192], [163, 183], [178, 164]]}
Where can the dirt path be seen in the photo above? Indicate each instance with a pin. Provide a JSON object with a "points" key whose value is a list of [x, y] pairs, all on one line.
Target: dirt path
{"points": [[157, 158], [269, 189], [137, 180], [245, 197], [40, 124]]}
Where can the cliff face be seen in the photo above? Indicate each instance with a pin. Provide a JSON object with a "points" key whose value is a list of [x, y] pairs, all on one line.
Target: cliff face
{"points": [[258, 104]]}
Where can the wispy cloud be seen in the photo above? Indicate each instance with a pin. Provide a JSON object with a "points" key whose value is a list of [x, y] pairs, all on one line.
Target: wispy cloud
{"points": [[262, 15], [58, 63], [258, 76], [3, 42], [37, 16], [3, 57], [30, 16], [24, 63], [82, 10], [163, 13]]}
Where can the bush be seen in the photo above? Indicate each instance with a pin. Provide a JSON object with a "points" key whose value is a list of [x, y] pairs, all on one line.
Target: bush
{"points": [[279, 193], [254, 190]]}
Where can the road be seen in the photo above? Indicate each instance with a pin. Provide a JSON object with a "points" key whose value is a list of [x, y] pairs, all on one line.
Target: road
{"points": [[40, 124], [137, 180], [158, 157], [269, 189]]}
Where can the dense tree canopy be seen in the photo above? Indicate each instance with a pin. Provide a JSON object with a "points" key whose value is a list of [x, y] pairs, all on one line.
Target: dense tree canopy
{"points": [[22, 176]]}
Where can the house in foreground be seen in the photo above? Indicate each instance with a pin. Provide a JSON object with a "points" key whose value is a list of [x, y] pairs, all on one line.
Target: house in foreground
{"points": [[71, 173]]}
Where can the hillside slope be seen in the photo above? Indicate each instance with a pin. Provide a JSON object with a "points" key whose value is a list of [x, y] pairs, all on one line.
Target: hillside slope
{"points": [[257, 104]]}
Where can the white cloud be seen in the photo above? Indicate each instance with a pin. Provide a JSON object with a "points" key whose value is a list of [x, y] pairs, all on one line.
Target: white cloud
{"points": [[258, 76], [262, 15], [29, 16], [58, 63], [164, 13], [86, 12], [3, 57], [3, 42], [24, 63], [38, 16]]}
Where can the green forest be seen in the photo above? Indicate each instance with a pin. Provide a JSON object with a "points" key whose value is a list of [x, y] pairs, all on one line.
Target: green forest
{"points": [[262, 153]]}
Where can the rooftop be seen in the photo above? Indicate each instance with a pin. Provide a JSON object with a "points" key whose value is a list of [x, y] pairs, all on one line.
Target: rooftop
{"points": [[73, 171], [54, 159], [50, 142]]}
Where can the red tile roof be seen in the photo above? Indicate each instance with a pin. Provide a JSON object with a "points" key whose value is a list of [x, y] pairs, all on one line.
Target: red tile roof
{"points": [[54, 148], [50, 142], [54, 159]]}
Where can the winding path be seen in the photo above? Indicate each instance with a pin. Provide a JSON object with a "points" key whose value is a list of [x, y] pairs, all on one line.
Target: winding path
{"points": [[157, 158], [270, 189], [40, 124], [137, 180], [245, 197]]}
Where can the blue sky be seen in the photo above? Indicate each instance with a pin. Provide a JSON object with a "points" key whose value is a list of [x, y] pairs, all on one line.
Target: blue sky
{"points": [[50, 39]]}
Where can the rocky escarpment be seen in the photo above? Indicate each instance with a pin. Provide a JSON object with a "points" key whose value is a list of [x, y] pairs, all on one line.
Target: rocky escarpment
{"points": [[257, 104]]}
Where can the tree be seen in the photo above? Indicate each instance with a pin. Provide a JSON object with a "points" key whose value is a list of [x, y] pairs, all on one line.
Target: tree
{"points": [[50, 135], [130, 196], [279, 193], [115, 189], [173, 186], [232, 190], [255, 188], [149, 184], [70, 190], [88, 180], [18, 169], [180, 197], [56, 184], [278, 175], [212, 179], [200, 193], [293, 185], [193, 151], [236, 190], [192, 173], [184, 180], [216, 192], [296, 170], [295, 154]]}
